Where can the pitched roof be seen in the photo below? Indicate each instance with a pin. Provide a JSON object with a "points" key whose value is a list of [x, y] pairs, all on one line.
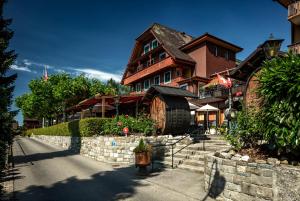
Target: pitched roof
{"points": [[172, 40]]}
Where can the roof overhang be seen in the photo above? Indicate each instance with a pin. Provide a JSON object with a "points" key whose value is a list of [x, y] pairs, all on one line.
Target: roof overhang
{"points": [[213, 39]]}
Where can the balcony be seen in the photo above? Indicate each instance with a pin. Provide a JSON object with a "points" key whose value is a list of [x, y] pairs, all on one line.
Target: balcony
{"points": [[294, 13], [295, 48], [149, 70]]}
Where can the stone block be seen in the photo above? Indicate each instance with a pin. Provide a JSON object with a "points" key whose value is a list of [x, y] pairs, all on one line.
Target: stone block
{"points": [[229, 163], [253, 170], [233, 187], [267, 173], [238, 179], [263, 192], [262, 181], [228, 169], [248, 188]]}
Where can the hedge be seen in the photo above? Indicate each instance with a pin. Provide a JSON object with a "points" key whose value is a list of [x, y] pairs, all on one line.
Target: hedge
{"points": [[85, 128]]}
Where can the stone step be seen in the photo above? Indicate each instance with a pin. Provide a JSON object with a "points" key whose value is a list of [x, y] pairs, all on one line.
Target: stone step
{"points": [[193, 162], [175, 160], [207, 147], [199, 169], [177, 155]]}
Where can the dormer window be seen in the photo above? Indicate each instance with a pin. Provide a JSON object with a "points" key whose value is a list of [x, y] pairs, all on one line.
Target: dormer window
{"points": [[146, 48], [154, 44]]}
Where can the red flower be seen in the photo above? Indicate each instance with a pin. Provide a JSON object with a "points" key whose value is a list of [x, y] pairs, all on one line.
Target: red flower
{"points": [[126, 116]]}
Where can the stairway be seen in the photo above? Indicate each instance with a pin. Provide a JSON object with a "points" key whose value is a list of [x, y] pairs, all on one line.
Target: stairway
{"points": [[189, 153]]}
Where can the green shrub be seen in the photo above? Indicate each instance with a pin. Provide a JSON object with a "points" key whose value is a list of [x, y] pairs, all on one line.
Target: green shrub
{"points": [[280, 110], [245, 132], [135, 125], [92, 126], [84, 127], [97, 126]]}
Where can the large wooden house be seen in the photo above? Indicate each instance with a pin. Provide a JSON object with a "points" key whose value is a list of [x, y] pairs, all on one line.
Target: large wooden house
{"points": [[293, 7], [164, 56]]}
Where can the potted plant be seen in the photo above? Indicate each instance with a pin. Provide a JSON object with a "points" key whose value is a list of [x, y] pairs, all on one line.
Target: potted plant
{"points": [[142, 154]]}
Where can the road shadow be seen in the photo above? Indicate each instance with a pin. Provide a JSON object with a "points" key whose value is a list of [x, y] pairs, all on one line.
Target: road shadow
{"points": [[117, 184], [29, 159], [216, 182]]}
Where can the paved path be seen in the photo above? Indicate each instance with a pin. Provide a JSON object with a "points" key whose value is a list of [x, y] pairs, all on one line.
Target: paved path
{"points": [[48, 173]]}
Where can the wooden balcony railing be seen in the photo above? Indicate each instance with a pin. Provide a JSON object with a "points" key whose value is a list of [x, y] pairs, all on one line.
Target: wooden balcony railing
{"points": [[149, 70], [294, 12], [295, 48]]}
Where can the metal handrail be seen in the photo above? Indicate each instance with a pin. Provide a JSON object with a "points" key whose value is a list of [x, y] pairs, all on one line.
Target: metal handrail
{"points": [[172, 146]]}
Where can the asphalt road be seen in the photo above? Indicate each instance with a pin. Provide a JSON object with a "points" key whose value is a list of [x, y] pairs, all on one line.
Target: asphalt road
{"points": [[48, 173]]}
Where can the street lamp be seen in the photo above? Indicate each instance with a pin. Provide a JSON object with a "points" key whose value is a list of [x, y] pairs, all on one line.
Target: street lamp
{"points": [[272, 46]]}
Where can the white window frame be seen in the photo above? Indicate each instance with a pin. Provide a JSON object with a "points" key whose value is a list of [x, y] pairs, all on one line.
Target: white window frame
{"points": [[152, 44], [136, 87], [148, 80], [158, 80], [152, 59], [147, 45], [216, 50], [165, 77]]}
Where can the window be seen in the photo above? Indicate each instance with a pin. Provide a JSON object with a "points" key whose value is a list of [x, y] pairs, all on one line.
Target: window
{"points": [[226, 55], [138, 87], [162, 56], [157, 80], [184, 86], [146, 48], [216, 51], [146, 84], [167, 77], [152, 61], [154, 44], [148, 63]]}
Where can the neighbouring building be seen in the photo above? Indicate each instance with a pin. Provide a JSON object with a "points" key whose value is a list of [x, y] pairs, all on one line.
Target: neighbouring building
{"points": [[164, 56], [293, 7]]}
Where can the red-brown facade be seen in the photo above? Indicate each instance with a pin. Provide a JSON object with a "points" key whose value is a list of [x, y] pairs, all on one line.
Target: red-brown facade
{"points": [[163, 56]]}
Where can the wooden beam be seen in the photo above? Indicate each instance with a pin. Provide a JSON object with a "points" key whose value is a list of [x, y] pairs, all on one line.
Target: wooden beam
{"points": [[103, 107]]}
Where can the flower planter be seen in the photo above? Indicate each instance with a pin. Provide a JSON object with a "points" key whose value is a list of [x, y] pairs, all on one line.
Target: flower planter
{"points": [[142, 159]]}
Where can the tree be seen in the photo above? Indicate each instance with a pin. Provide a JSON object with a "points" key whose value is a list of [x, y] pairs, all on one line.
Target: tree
{"points": [[7, 58]]}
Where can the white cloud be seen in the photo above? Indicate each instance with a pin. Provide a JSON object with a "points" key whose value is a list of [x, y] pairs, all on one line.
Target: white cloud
{"points": [[28, 62], [20, 68], [97, 74]]}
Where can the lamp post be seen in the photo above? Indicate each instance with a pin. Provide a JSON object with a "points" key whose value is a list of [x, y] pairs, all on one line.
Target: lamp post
{"points": [[271, 47]]}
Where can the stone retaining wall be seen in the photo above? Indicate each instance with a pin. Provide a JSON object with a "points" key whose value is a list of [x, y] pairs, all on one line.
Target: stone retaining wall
{"points": [[105, 149], [238, 180]]}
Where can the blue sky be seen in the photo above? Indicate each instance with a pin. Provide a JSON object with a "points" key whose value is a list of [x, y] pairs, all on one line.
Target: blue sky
{"points": [[96, 37]]}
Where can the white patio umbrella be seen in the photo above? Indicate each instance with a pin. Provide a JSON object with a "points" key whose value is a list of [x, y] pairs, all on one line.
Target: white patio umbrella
{"points": [[207, 108], [193, 106]]}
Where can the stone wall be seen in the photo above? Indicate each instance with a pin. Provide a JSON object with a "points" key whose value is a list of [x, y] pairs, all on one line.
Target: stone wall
{"points": [[106, 149], [238, 180]]}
